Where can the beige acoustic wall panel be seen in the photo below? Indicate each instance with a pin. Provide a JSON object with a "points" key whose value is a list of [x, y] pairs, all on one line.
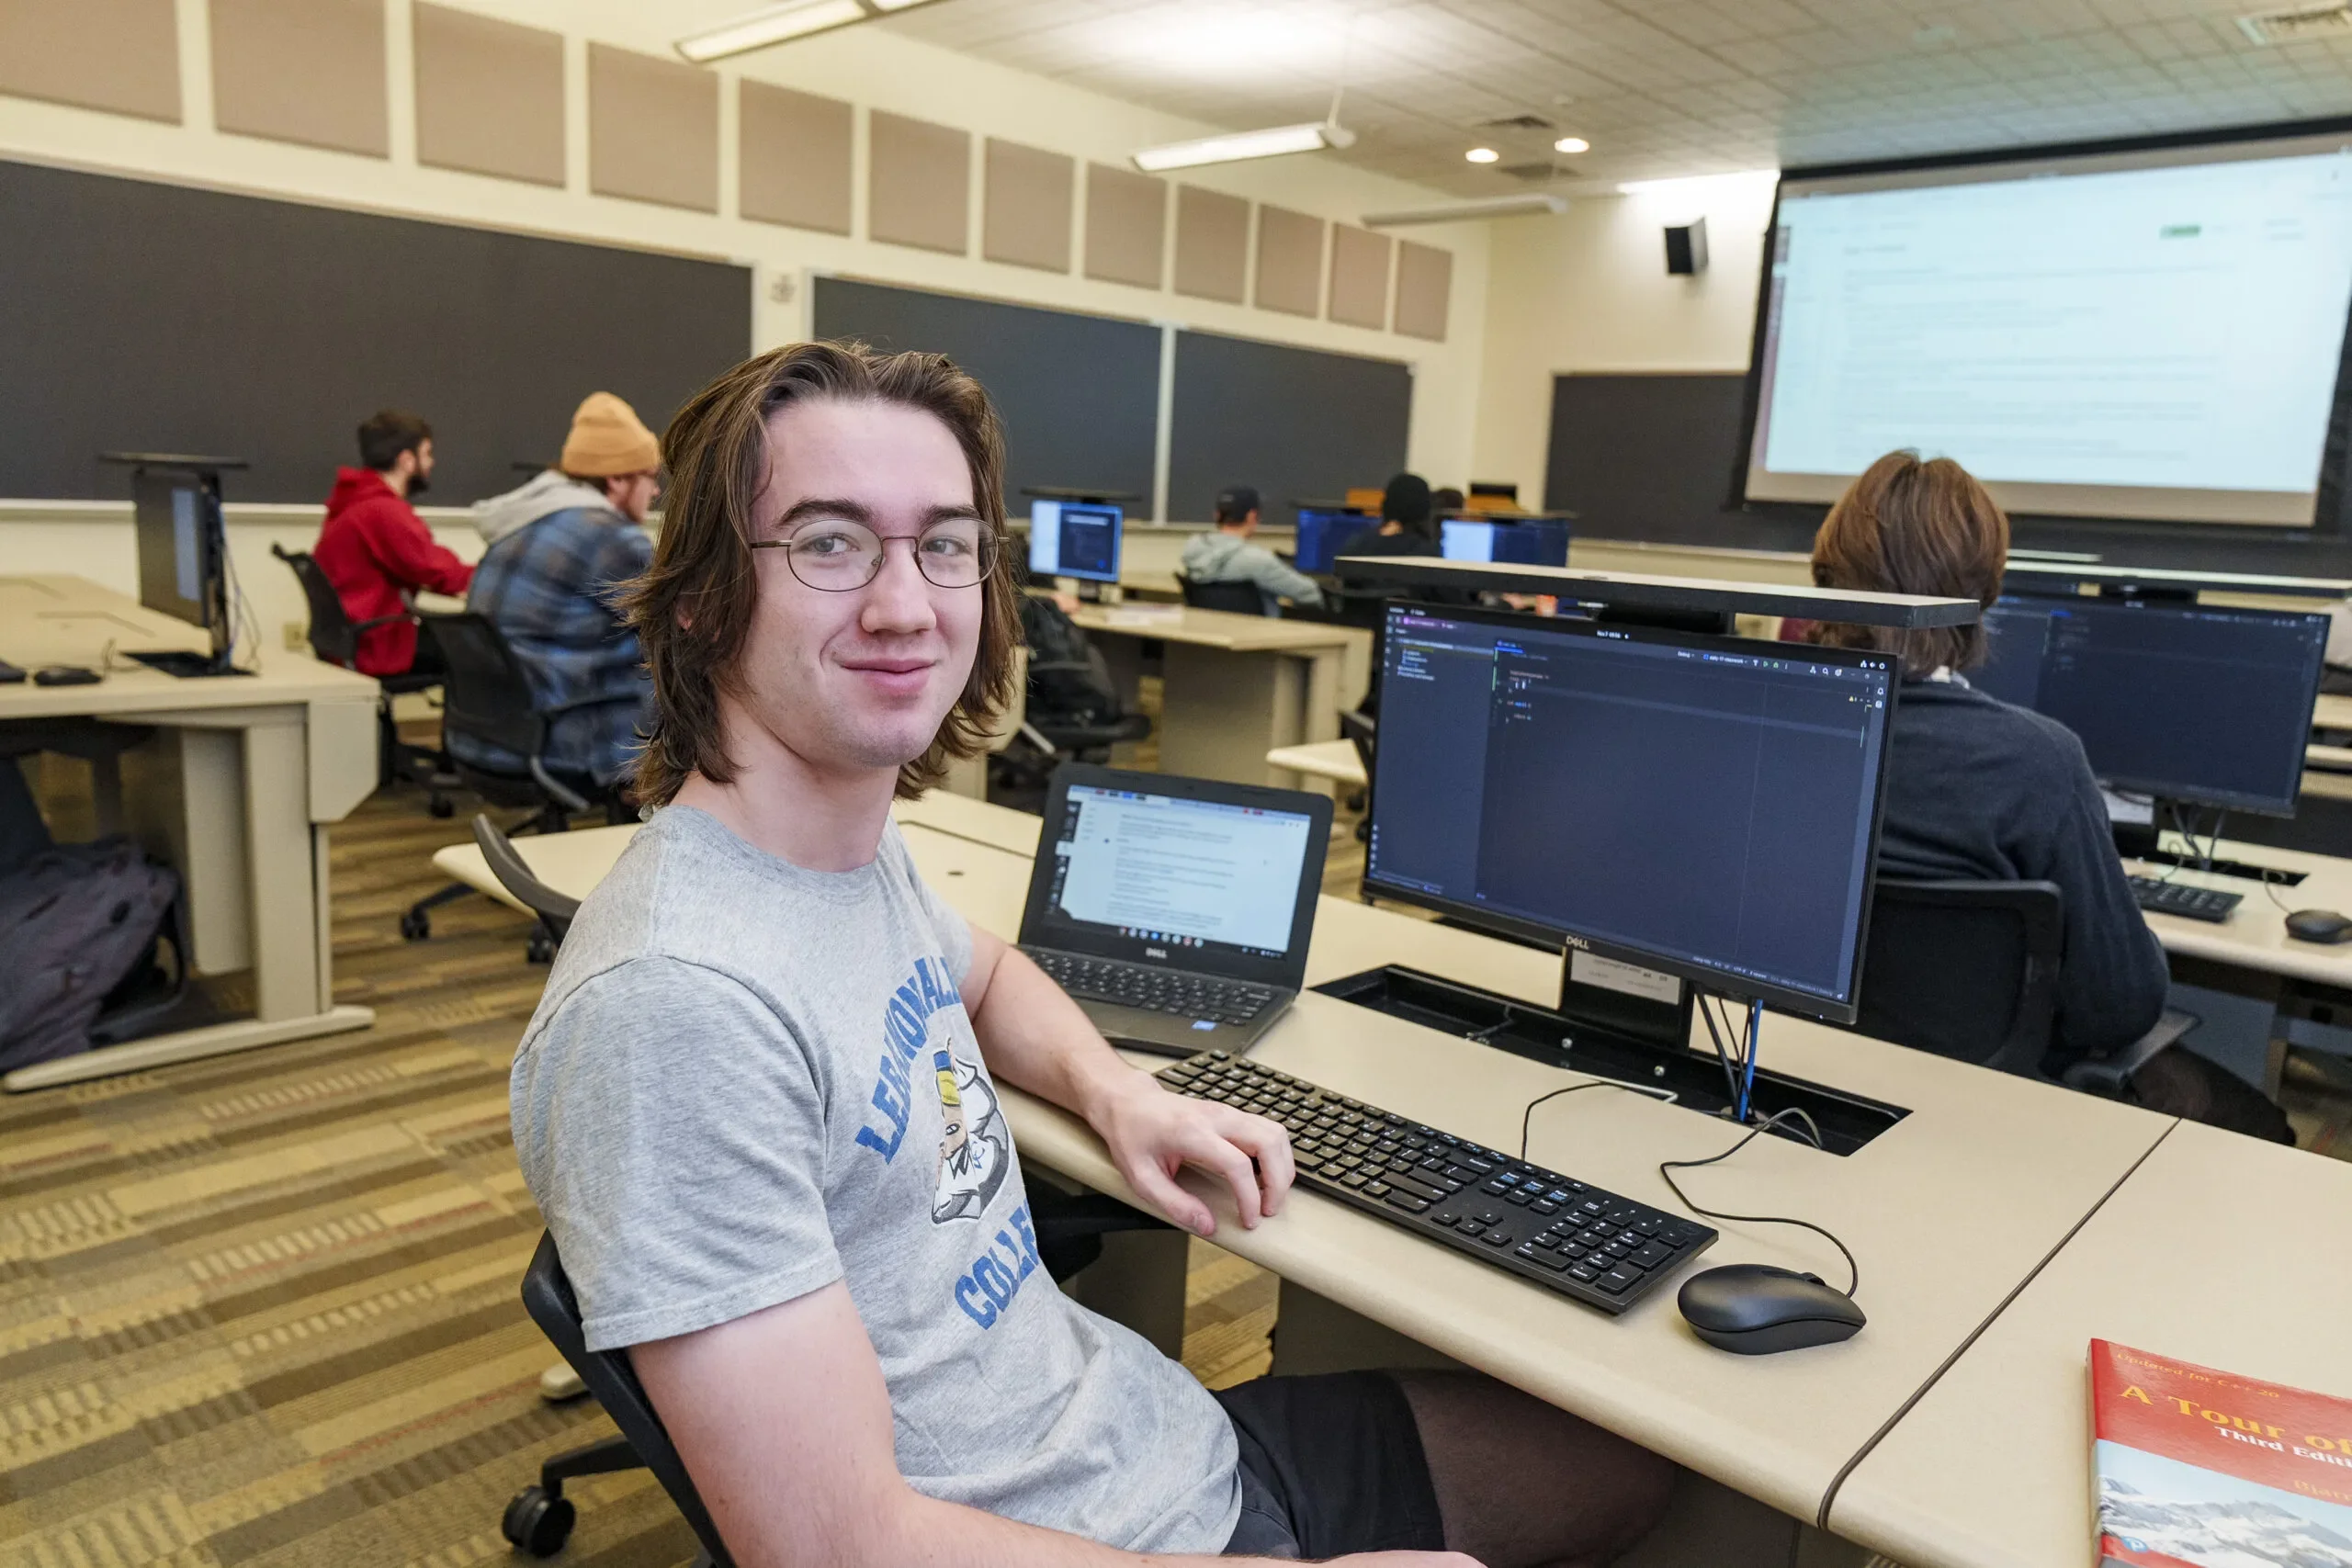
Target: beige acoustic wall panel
{"points": [[652, 129], [795, 157], [1212, 244], [1424, 281], [119, 55], [920, 183], [306, 71], [1126, 226], [489, 95], [1290, 261], [1359, 276], [1027, 216]]}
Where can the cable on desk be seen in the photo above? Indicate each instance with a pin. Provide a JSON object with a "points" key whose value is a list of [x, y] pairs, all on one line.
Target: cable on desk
{"points": [[1527, 1116], [1667, 1169]]}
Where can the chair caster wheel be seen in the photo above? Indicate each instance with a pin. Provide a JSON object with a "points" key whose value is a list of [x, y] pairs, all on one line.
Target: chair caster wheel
{"points": [[415, 926], [538, 1523], [541, 948], [441, 805]]}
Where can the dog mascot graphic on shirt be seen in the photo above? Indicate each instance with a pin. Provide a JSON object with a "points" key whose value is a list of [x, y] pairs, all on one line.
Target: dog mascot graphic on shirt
{"points": [[973, 1151]]}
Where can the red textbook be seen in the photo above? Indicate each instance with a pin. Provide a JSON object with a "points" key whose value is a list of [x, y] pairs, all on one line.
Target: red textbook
{"points": [[2199, 1468]]}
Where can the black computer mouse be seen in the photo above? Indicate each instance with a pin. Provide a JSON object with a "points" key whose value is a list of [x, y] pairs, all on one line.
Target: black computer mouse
{"points": [[65, 675], [2319, 925], [1754, 1309]]}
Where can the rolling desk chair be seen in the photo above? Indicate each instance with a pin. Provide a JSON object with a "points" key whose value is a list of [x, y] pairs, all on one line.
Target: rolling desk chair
{"points": [[487, 697], [1236, 598], [552, 910], [1969, 970], [334, 638]]}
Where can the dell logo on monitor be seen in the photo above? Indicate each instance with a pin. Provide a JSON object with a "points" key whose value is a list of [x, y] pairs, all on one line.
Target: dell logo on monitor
{"points": [[1577, 943], [1155, 952]]}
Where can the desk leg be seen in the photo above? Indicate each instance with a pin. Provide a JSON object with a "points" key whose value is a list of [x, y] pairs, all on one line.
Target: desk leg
{"points": [[284, 872]]}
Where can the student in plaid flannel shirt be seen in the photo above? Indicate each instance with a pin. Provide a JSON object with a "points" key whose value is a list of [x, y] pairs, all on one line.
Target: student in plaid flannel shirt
{"points": [[562, 548]]}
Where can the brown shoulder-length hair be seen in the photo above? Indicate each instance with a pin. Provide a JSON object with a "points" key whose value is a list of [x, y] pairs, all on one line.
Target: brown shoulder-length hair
{"points": [[692, 607], [1908, 526]]}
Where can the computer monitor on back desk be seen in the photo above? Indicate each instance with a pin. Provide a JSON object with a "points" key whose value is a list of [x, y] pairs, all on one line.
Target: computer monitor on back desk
{"points": [[1079, 539], [1705, 807], [1322, 532], [1535, 541], [2202, 703], [183, 561]]}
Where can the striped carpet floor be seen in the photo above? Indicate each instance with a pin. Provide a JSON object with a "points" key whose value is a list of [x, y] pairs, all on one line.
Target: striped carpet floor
{"points": [[261, 1311]]}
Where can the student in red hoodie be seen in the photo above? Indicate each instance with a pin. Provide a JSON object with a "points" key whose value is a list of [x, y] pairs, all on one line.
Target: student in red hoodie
{"points": [[376, 549]]}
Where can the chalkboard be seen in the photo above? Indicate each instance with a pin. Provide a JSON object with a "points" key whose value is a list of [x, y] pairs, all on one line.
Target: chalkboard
{"points": [[1293, 423], [1078, 394], [1651, 457], [142, 316]]}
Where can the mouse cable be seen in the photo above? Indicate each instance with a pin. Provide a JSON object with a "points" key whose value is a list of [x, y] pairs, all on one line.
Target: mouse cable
{"points": [[1668, 1168]]}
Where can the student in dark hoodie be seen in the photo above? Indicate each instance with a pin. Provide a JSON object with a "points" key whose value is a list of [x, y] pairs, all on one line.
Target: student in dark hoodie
{"points": [[1979, 789], [376, 549]]}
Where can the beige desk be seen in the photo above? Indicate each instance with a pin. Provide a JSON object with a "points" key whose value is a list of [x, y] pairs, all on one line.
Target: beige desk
{"points": [[1333, 760], [236, 791], [2219, 1250], [2331, 711], [1236, 686], [2255, 935], [1945, 1220]]}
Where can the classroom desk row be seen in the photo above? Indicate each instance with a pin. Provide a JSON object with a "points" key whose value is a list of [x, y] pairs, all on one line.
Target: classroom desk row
{"points": [[2000, 1226], [236, 791]]}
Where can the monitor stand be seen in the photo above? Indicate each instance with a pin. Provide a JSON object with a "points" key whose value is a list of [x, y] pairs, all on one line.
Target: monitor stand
{"points": [[186, 665], [1089, 590]]}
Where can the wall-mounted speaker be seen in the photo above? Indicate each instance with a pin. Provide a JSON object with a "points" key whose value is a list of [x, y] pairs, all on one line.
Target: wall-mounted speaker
{"points": [[1686, 248]]}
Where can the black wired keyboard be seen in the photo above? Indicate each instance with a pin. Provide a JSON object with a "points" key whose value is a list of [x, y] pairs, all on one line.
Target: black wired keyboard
{"points": [[1154, 990], [1569, 1237], [2154, 893]]}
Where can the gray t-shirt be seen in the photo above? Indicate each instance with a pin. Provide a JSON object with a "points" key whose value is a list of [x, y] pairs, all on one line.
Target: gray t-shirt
{"points": [[747, 1080]]}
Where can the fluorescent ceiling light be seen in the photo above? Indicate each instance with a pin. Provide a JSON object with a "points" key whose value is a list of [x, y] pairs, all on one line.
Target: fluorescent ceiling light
{"points": [[1244, 144], [1463, 212], [1696, 183], [781, 24], [1571, 145], [1482, 154]]}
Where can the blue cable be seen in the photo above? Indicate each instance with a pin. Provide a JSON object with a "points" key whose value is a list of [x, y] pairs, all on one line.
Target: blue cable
{"points": [[1747, 1077]]}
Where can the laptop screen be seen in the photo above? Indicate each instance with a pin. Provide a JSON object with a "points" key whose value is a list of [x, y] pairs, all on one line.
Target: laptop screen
{"points": [[1220, 878]]}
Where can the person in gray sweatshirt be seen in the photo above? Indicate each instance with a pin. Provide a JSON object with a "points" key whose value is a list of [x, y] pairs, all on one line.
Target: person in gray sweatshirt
{"points": [[1226, 555]]}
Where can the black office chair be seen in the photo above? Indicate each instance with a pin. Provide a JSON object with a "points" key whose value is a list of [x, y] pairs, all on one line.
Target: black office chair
{"points": [[1069, 1232], [487, 697], [1072, 710], [334, 638], [1969, 970], [1234, 598], [552, 911]]}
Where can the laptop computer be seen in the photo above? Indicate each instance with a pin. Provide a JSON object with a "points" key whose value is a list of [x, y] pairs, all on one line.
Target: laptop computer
{"points": [[1175, 911]]}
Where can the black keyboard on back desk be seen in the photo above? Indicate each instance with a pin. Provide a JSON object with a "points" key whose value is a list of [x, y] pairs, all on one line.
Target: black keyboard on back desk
{"points": [[2153, 892], [1155, 990], [1572, 1238]]}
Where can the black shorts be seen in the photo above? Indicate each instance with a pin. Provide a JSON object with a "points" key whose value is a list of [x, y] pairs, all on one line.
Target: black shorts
{"points": [[1329, 1465]]}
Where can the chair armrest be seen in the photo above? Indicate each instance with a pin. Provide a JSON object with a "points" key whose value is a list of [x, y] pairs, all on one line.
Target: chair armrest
{"points": [[2108, 1075]]}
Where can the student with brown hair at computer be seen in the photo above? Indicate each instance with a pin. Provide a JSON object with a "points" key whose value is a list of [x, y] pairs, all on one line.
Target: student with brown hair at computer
{"points": [[1979, 789]]}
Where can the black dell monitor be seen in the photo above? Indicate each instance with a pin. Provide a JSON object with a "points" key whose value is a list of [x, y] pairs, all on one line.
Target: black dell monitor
{"points": [[1535, 541], [1701, 805], [2201, 704], [182, 559], [1323, 532], [1071, 538]]}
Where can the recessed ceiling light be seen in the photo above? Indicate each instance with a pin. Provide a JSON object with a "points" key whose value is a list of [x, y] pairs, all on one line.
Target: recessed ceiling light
{"points": [[1571, 145], [780, 24], [1245, 144], [1482, 154]]}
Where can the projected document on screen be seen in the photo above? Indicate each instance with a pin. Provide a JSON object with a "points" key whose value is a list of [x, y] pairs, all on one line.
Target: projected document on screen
{"points": [[2091, 337]]}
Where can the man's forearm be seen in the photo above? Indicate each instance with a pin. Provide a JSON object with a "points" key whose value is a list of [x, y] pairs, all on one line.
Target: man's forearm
{"points": [[1035, 1038]]}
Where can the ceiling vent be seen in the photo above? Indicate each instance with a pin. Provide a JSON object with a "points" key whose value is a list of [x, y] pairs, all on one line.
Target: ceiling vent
{"points": [[1536, 174], [1516, 122], [2294, 26]]}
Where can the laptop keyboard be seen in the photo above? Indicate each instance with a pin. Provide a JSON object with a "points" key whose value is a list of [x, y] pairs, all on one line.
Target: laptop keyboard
{"points": [[1153, 990]]}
